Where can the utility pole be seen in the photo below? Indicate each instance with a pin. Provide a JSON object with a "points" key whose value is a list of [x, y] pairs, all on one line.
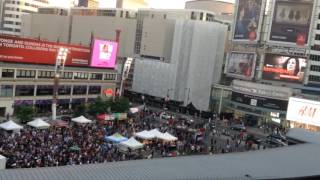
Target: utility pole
{"points": [[59, 67]]}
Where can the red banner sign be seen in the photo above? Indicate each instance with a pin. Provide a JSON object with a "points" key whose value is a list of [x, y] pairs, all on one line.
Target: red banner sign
{"points": [[23, 50]]}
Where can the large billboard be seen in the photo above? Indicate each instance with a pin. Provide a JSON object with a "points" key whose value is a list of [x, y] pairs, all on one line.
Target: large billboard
{"points": [[291, 21], [257, 101], [304, 111], [284, 68], [248, 20], [241, 65], [23, 50], [104, 53]]}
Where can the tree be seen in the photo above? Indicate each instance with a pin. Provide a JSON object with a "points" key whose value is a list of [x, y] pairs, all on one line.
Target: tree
{"points": [[99, 107], [25, 113], [120, 105], [80, 110]]}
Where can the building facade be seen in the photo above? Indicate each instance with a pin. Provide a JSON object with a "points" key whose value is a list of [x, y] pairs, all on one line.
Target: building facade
{"points": [[12, 11], [275, 52], [88, 3], [195, 61], [222, 10], [27, 75]]}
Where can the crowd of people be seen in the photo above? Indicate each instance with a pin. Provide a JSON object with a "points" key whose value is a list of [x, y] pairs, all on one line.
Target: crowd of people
{"points": [[86, 144]]}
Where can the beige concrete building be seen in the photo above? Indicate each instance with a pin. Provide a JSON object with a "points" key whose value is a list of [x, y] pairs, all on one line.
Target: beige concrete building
{"points": [[222, 10]]}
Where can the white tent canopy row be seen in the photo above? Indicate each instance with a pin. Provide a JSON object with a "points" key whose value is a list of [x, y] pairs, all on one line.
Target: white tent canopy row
{"points": [[81, 119], [155, 134], [131, 143], [39, 123], [10, 126]]}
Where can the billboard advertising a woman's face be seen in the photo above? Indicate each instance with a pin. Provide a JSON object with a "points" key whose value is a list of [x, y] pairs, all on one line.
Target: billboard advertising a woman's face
{"points": [[247, 20], [104, 54], [284, 68], [241, 65], [291, 21]]}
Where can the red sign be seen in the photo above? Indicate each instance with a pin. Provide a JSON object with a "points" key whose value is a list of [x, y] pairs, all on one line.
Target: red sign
{"points": [[23, 50], [108, 92]]}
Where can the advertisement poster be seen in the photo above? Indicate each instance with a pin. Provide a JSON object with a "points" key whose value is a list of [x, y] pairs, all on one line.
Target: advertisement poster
{"points": [[241, 65], [276, 104], [304, 111], [104, 54], [284, 68], [248, 20], [23, 50], [291, 21]]}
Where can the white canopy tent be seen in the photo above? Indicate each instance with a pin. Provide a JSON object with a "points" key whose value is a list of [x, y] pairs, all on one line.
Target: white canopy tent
{"points": [[131, 143], [169, 137], [10, 126], [39, 123], [156, 133], [3, 161], [81, 119], [145, 135]]}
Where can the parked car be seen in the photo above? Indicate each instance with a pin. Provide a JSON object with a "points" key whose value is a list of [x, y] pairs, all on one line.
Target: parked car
{"points": [[278, 136], [274, 142], [238, 127]]}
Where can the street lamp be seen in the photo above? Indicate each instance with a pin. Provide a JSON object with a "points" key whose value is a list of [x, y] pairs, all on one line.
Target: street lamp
{"points": [[59, 67], [188, 95]]}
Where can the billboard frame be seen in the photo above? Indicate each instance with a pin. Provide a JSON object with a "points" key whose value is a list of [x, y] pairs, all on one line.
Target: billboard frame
{"points": [[241, 76], [261, 15], [289, 44], [93, 38], [263, 59]]}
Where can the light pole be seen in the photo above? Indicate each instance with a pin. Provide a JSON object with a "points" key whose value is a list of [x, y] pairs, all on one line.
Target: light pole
{"points": [[187, 95], [59, 67]]}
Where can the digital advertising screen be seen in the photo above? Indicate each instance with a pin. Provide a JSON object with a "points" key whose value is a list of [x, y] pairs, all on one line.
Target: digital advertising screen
{"points": [[284, 68], [248, 20], [291, 21], [241, 65], [257, 101], [25, 50], [104, 53]]}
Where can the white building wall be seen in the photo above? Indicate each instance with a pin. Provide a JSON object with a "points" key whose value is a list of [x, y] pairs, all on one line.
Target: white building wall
{"points": [[196, 63]]}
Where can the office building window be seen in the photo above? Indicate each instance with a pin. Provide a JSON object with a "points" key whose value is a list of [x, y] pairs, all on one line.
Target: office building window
{"points": [[8, 73], [314, 78], [46, 74], [26, 73], [315, 68], [96, 76], [80, 75], [94, 89], [79, 90], [24, 90], [44, 90], [67, 75], [64, 90], [318, 26], [6, 91], [314, 57], [317, 37], [109, 77]]}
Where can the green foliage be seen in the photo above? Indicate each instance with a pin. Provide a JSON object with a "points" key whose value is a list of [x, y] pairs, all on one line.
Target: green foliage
{"points": [[80, 110], [99, 107], [120, 105], [25, 113]]}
